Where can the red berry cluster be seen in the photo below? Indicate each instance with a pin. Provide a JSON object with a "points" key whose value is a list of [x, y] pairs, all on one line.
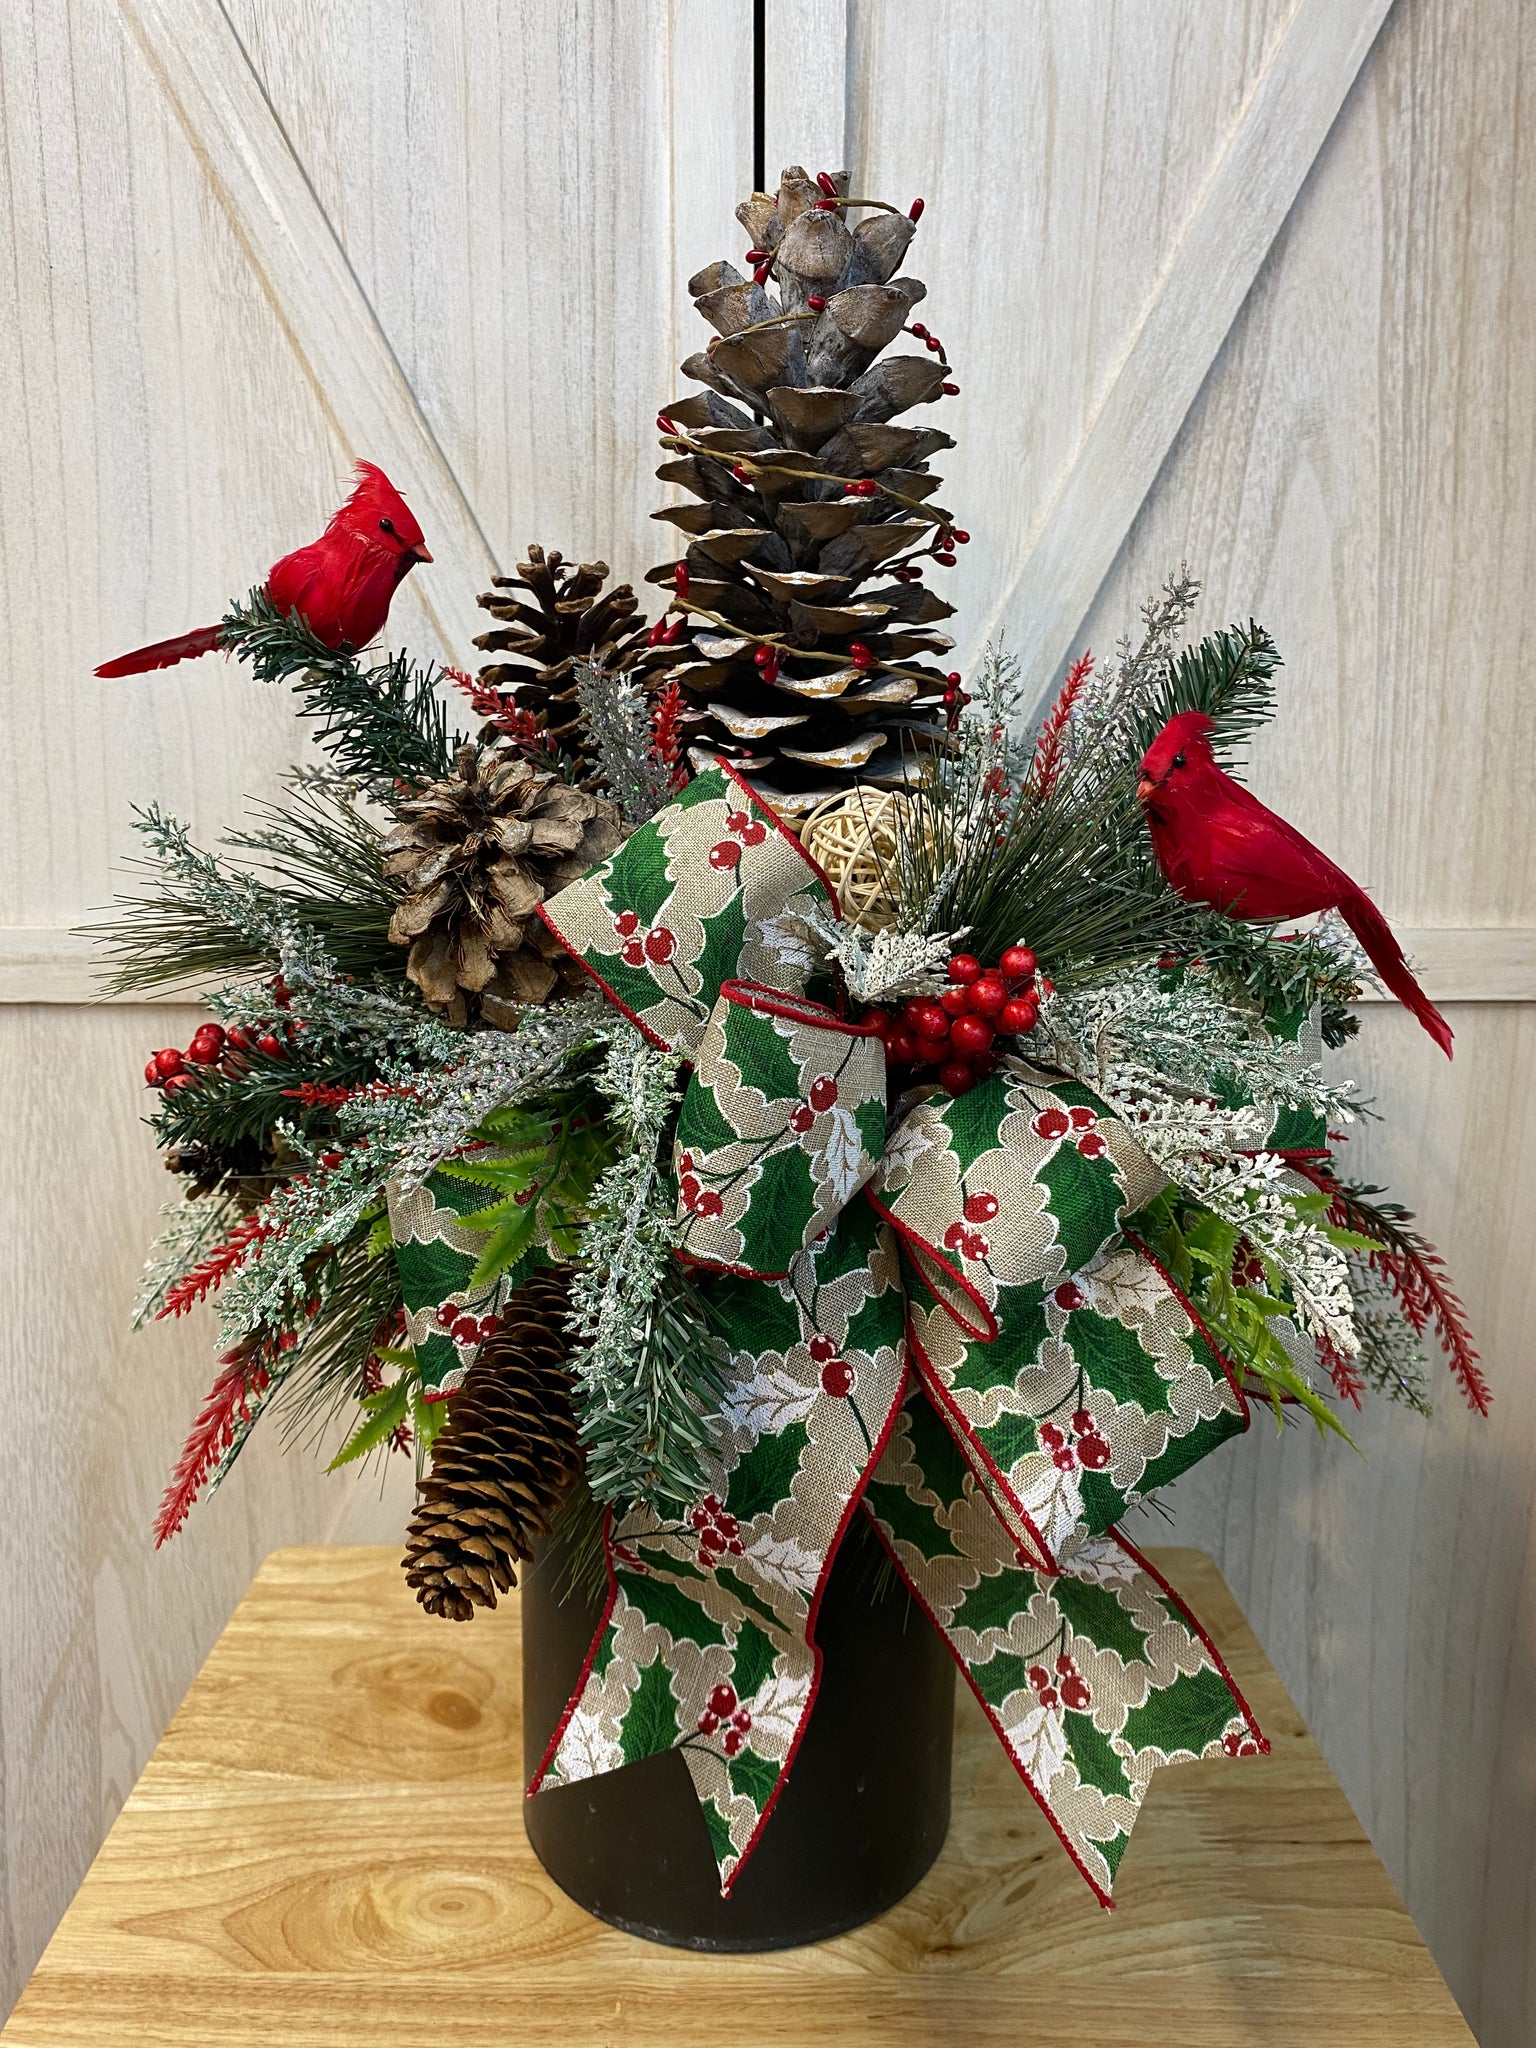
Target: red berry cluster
{"points": [[838, 1377], [464, 1328], [1079, 1444], [1081, 1125], [212, 1046], [745, 830], [698, 1200], [957, 1031], [963, 1237], [1065, 1687], [657, 945], [719, 1532], [1240, 1745], [724, 1707]]}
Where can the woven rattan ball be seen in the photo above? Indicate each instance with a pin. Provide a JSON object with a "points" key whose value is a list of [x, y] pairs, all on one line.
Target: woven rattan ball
{"points": [[854, 836]]}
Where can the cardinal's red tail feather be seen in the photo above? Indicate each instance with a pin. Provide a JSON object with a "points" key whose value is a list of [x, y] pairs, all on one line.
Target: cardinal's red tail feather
{"points": [[1386, 956], [164, 653]]}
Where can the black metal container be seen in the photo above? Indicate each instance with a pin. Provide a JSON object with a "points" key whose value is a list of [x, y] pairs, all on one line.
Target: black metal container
{"points": [[862, 1816]]}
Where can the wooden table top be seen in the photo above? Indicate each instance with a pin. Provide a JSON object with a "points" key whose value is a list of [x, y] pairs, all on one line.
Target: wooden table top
{"points": [[327, 1849]]}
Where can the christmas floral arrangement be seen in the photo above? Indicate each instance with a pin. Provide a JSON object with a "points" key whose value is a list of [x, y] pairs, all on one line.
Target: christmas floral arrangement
{"points": [[751, 1082]]}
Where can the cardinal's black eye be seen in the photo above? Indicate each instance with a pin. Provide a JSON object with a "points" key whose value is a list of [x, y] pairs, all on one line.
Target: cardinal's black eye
{"points": [[1179, 761], [386, 526]]}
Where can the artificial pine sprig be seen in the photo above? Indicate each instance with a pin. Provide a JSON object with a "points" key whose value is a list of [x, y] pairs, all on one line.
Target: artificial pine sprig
{"points": [[384, 725], [648, 1369]]}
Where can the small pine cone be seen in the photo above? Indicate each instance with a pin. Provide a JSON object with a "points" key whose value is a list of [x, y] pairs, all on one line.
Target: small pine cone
{"points": [[571, 618], [503, 1460], [476, 854]]}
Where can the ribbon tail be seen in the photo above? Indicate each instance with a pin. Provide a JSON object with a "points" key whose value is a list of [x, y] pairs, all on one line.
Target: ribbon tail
{"points": [[708, 1643], [1092, 1677]]}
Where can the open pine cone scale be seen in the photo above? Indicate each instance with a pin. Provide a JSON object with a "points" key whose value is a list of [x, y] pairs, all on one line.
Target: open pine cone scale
{"points": [[477, 853]]}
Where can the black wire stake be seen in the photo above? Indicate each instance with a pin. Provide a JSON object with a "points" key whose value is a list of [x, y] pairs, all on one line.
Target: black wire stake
{"points": [[759, 65]]}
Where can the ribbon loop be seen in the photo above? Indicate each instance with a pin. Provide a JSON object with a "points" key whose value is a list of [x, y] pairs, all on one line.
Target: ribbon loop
{"points": [[782, 1123]]}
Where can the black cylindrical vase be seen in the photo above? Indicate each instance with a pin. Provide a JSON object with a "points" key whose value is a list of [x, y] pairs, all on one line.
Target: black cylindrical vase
{"points": [[861, 1817]]}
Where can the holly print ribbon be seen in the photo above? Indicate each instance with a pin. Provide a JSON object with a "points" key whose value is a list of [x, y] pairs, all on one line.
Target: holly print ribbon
{"points": [[947, 1322]]}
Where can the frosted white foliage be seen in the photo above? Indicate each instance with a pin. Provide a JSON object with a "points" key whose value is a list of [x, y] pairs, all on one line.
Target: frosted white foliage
{"points": [[880, 965]]}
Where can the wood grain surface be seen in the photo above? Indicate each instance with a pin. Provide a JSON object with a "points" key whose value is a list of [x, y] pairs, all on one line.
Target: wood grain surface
{"points": [[326, 1849]]}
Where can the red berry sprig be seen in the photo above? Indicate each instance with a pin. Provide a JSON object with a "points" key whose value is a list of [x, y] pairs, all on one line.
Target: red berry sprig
{"points": [[956, 1033]]}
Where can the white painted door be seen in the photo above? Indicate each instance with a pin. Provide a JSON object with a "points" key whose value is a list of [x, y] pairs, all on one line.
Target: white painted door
{"points": [[1250, 286]]}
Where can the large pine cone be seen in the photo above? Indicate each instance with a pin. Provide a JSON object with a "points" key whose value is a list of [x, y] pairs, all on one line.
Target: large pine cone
{"points": [[504, 1458], [571, 619], [477, 853], [805, 494]]}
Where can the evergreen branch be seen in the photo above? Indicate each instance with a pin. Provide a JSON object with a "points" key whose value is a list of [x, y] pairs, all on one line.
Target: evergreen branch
{"points": [[211, 1271], [384, 725], [1229, 676], [192, 1226], [620, 732], [318, 880]]}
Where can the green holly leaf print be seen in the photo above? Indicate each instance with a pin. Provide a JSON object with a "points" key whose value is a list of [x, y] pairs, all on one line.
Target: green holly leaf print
{"points": [[760, 1054], [1085, 1200], [662, 1602], [757, 1319], [975, 1118], [705, 788], [639, 878], [1001, 1675], [754, 1776], [1181, 1452], [870, 1118], [763, 1477], [1097, 1764], [992, 1604], [1094, 1613], [650, 1721], [719, 1832], [633, 986], [1112, 1358], [935, 1451], [744, 1593], [910, 1521], [752, 1659], [876, 1322], [701, 1128], [782, 1203], [1008, 1439], [724, 937], [1183, 1718]]}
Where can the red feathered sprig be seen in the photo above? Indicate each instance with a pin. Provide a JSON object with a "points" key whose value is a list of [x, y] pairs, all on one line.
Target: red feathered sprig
{"points": [[228, 1405], [210, 1273], [1342, 1370], [521, 727], [1413, 1270], [1050, 749], [667, 736]]}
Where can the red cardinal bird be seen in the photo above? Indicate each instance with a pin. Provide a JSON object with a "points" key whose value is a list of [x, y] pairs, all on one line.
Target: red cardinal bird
{"points": [[1217, 844], [340, 585]]}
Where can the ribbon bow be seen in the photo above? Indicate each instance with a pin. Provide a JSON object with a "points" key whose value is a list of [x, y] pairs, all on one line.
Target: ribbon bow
{"points": [[945, 1322]]}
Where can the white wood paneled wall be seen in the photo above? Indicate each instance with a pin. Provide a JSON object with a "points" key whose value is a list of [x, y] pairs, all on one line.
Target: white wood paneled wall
{"points": [[1251, 286]]}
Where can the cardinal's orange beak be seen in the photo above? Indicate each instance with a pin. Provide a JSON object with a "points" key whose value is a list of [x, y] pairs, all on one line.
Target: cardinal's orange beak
{"points": [[420, 552], [1145, 787]]}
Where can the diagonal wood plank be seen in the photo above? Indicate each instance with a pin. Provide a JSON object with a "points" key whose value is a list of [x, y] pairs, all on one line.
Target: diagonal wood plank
{"points": [[805, 86], [207, 78], [1251, 187]]}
